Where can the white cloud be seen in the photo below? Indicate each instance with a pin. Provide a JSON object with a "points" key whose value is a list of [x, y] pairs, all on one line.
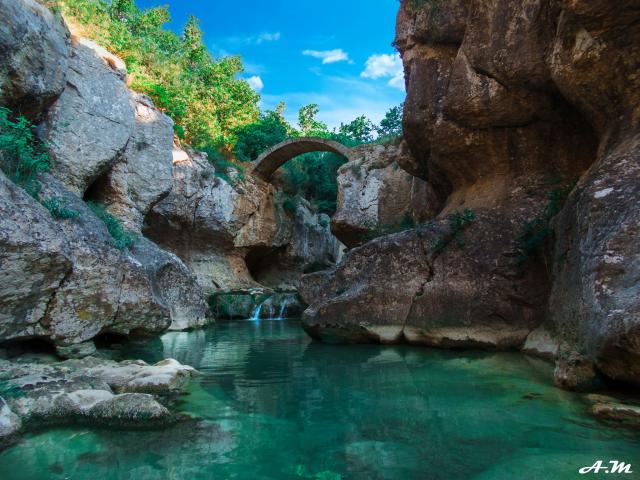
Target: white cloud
{"points": [[256, 83], [328, 56], [341, 100], [267, 37], [258, 39], [385, 66]]}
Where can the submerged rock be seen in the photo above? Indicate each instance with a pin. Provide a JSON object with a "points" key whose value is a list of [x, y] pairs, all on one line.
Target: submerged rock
{"points": [[10, 424], [611, 409]]}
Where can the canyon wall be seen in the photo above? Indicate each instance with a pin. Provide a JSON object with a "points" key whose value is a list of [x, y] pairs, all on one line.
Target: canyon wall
{"points": [[128, 232], [522, 119]]}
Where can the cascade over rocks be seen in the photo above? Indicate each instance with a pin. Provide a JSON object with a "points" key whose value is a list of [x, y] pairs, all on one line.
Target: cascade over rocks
{"points": [[507, 102]]}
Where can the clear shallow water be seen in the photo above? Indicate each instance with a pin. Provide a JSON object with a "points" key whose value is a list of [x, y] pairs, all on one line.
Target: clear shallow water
{"points": [[276, 406]]}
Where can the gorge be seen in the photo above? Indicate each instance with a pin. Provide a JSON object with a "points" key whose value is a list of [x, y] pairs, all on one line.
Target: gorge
{"points": [[159, 291]]}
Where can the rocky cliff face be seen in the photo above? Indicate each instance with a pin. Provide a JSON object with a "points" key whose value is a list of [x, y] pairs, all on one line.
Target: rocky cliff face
{"points": [[375, 196], [508, 105], [233, 233], [68, 279]]}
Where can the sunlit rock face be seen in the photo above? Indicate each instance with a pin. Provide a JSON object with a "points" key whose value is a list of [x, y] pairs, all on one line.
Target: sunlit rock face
{"points": [[376, 196], [35, 56], [95, 104], [233, 232], [508, 104], [68, 281]]}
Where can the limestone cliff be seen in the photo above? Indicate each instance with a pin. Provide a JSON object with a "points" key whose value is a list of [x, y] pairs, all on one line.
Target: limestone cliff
{"points": [[523, 119], [67, 280]]}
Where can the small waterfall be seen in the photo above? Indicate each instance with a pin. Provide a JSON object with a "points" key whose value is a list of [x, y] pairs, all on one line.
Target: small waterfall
{"points": [[283, 308], [268, 309], [256, 313]]}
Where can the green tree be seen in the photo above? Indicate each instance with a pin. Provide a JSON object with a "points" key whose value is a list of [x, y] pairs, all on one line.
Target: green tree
{"points": [[255, 138], [391, 125], [309, 125], [192, 35], [359, 131]]}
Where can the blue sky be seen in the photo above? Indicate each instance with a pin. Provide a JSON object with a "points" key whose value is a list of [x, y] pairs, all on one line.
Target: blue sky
{"points": [[336, 53]]}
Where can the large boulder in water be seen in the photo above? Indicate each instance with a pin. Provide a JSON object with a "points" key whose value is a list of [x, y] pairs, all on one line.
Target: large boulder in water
{"points": [[33, 56]]}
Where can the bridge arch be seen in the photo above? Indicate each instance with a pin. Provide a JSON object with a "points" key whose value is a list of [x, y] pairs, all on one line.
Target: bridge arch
{"points": [[272, 159]]}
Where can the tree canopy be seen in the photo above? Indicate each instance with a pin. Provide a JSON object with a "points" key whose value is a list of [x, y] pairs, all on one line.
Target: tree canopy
{"points": [[213, 108]]}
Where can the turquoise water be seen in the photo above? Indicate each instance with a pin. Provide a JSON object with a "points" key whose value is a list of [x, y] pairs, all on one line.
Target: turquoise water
{"points": [[273, 405]]}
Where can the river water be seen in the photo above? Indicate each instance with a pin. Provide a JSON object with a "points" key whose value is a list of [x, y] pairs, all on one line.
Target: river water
{"points": [[271, 404]]}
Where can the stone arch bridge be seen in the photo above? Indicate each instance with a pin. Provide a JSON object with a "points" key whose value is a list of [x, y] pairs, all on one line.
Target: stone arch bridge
{"points": [[272, 159]]}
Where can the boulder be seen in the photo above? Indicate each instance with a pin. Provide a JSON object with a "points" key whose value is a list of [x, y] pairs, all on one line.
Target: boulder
{"points": [[35, 260], [437, 285], [541, 343], [10, 424], [376, 196], [107, 290], [89, 126], [91, 391], [174, 284], [34, 56], [142, 176]]}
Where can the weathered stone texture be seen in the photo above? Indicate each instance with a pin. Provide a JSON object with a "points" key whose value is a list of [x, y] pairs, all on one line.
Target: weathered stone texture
{"points": [[34, 55]]}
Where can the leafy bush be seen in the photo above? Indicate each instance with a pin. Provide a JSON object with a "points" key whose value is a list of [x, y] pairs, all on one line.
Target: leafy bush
{"points": [[58, 208], [121, 238], [458, 222], [22, 156], [255, 138], [535, 233]]}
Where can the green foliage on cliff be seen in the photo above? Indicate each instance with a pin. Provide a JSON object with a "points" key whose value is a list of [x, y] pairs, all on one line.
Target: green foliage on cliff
{"points": [[203, 95], [536, 232], [458, 223], [22, 156], [58, 208], [122, 239], [213, 108]]}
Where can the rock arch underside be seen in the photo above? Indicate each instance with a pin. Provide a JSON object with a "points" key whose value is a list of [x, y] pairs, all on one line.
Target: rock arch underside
{"points": [[272, 159]]}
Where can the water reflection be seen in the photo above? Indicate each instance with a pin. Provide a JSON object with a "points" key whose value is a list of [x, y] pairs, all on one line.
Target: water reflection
{"points": [[272, 404]]}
